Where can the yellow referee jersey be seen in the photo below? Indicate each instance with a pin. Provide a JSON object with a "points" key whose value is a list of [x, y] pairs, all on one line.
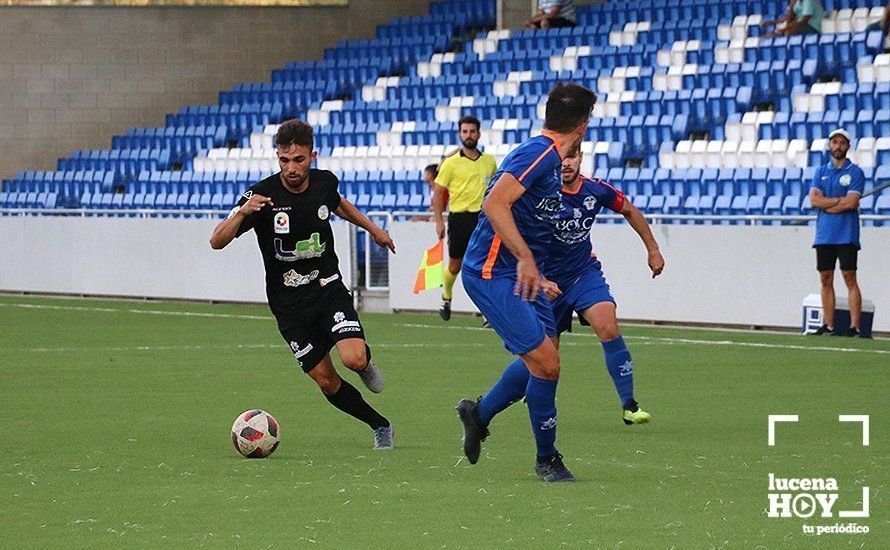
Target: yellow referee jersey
{"points": [[466, 180]]}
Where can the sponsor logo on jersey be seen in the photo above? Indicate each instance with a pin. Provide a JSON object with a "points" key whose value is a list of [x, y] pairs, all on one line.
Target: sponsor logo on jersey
{"points": [[845, 180], [247, 194], [590, 203], [339, 316], [282, 223], [548, 208], [572, 231], [292, 278], [323, 212], [303, 250], [324, 281]]}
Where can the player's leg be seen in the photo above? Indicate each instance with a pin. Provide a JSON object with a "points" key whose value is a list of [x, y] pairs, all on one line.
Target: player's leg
{"points": [[855, 300], [848, 256], [826, 256], [460, 229], [604, 322], [339, 321], [526, 332], [356, 356], [346, 397]]}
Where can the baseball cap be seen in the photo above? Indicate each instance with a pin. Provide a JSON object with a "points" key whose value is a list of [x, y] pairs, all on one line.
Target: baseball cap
{"points": [[839, 132]]}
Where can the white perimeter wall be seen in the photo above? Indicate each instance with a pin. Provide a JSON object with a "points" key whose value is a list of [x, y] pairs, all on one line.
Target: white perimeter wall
{"points": [[747, 275], [153, 257]]}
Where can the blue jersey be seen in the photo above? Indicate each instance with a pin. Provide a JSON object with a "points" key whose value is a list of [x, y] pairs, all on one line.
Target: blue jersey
{"points": [[834, 182], [536, 164], [571, 252]]}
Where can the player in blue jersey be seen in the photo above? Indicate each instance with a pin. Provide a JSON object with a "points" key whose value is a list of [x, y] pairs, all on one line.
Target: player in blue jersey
{"points": [[578, 273], [501, 271]]}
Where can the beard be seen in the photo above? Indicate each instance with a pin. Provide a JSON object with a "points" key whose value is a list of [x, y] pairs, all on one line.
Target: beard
{"points": [[469, 143], [838, 154], [569, 178]]}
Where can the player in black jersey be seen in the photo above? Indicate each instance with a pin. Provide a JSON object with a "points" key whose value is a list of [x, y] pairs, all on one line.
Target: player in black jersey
{"points": [[290, 213]]}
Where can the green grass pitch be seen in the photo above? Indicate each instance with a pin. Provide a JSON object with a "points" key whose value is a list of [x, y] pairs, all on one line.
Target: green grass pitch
{"points": [[116, 419]]}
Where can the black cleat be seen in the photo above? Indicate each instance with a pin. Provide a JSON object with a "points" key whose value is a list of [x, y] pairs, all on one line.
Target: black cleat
{"points": [[445, 309], [552, 470], [824, 329], [475, 431], [852, 332]]}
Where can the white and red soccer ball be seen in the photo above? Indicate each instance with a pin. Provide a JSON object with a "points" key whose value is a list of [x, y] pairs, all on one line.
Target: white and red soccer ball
{"points": [[255, 434]]}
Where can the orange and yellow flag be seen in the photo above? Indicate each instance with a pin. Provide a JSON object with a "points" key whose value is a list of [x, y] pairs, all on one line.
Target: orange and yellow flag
{"points": [[431, 274]]}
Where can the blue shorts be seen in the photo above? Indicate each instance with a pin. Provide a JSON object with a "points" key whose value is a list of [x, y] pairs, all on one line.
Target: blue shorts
{"points": [[523, 326], [589, 289]]}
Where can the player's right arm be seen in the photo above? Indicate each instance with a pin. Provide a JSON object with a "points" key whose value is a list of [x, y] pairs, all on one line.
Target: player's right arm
{"points": [[443, 182], [498, 208], [817, 194], [226, 230]]}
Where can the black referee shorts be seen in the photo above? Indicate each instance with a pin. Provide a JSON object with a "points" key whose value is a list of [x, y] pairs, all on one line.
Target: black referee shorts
{"points": [[460, 228], [313, 332], [828, 254]]}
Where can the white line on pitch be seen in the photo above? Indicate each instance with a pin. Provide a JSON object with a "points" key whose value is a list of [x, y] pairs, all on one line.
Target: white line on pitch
{"points": [[142, 311], [241, 346], [669, 341]]}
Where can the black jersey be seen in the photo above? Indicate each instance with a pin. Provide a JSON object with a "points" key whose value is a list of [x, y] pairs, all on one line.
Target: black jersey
{"points": [[296, 240]]}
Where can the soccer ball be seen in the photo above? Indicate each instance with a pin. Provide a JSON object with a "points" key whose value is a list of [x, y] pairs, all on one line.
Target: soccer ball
{"points": [[255, 434]]}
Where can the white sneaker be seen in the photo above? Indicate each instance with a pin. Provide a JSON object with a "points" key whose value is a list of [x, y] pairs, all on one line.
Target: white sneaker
{"points": [[372, 377]]}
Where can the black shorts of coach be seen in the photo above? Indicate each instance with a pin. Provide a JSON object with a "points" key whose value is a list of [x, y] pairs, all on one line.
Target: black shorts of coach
{"points": [[460, 228], [314, 331], [829, 254]]}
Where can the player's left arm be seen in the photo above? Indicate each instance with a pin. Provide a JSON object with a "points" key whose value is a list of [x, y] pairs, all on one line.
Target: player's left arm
{"points": [[636, 220], [350, 213], [850, 201]]}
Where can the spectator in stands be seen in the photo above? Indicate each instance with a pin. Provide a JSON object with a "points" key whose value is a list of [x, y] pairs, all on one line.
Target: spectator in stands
{"points": [[835, 192], [802, 17], [553, 14], [465, 175]]}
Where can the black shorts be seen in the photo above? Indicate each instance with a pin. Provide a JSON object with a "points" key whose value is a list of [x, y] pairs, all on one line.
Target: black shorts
{"points": [[313, 332], [460, 228], [828, 254]]}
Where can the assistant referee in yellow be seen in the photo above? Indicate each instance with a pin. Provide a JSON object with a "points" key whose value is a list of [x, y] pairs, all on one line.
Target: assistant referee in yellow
{"points": [[465, 175]]}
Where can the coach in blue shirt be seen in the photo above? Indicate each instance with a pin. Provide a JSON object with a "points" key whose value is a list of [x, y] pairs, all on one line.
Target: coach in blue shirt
{"points": [[835, 192]]}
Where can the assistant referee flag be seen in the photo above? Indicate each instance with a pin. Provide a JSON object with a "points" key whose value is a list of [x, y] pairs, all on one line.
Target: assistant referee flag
{"points": [[430, 274]]}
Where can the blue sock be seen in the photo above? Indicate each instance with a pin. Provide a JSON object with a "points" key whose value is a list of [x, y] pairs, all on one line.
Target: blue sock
{"points": [[621, 368], [508, 390], [540, 395]]}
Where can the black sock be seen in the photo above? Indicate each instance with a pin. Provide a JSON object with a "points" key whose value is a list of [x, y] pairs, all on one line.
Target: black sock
{"points": [[349, 400]]}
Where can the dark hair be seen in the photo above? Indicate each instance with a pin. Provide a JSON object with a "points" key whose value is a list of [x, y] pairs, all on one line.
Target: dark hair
{"points": [[295, 132], [469, 119], [433, 169], [568, 106]]}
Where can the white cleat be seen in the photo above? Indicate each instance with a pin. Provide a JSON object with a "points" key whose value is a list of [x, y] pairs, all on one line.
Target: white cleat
{"points": [[372, 377], [383, 439]]}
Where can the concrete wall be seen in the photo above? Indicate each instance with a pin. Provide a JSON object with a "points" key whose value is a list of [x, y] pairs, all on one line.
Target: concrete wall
{"points": [[738, 275], [140, 257], [72, 77]]}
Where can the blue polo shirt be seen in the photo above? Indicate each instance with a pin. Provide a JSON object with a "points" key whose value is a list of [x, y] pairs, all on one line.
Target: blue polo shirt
{"points": [[834, 182]]}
